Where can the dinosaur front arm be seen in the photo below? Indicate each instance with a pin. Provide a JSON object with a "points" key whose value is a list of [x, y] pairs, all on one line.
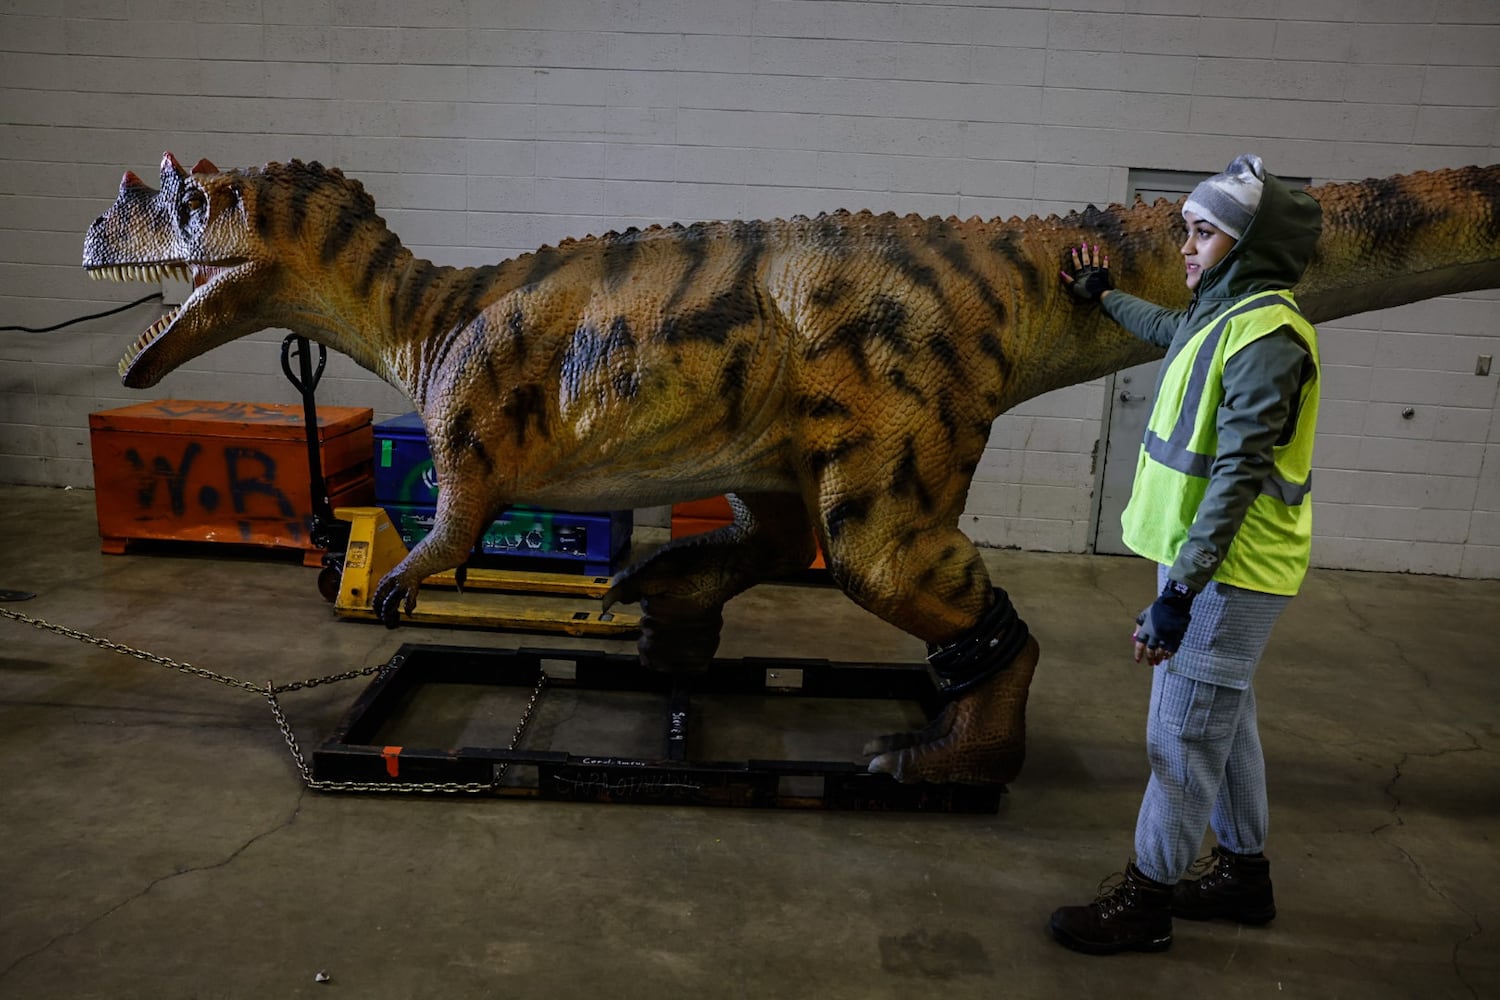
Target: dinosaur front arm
{"points": [[460, 519]]}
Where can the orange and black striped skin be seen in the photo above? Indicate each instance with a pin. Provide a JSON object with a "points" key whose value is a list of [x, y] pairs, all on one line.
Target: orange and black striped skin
{"points": [[838, 373]]}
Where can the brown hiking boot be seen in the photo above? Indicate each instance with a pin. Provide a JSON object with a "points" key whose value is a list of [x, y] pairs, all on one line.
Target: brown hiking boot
{"points": [[1134, 914], [1233, 886]]}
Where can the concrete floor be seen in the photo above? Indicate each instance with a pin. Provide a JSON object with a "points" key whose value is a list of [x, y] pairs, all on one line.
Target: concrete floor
{"points": [[159, 843]]}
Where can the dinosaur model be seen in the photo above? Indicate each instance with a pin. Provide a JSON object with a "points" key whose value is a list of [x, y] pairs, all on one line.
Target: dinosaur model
{"points": [[837, 376]]}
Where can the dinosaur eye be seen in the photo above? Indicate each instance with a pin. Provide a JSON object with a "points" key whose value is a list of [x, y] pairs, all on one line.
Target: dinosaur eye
{"points": [[194, 199]]}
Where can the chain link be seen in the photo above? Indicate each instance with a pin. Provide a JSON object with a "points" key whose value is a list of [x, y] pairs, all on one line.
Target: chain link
{"points": [[270, 691], [140, 654]]}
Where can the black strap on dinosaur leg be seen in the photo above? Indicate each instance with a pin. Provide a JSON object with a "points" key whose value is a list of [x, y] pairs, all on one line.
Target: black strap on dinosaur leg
{"points": [[985, 650]]}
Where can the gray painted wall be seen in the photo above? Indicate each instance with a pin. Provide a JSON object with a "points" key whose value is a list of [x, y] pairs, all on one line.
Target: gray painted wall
{"points": [[486, 129]]}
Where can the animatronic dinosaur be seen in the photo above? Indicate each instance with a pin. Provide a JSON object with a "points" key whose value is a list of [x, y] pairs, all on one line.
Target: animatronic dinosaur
{"points": [[836, 375]]}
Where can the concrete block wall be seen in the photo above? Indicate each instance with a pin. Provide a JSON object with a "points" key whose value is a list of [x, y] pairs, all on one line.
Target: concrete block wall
{"points": [[484, 130]]}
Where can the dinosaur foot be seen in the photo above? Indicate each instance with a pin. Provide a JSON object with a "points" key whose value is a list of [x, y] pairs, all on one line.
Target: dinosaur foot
{"points": [[676, 636], [979, 738], [395, 593]]}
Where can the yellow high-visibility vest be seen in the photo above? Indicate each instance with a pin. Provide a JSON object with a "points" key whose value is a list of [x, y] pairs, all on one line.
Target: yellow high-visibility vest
{"points": [[1270, 552]]}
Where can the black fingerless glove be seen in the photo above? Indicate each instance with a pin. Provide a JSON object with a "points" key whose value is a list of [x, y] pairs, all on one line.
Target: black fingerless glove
{"points": [[1165, 622], [1091, 282]]}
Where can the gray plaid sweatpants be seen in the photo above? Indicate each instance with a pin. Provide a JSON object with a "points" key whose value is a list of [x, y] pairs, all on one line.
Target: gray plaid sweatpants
{"points": [[1202, 738]]}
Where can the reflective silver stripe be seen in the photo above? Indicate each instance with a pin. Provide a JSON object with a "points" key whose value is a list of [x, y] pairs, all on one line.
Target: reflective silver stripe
{"points": [[1193, 463], [1173, 451], [1177, 457], [1290, 493]]}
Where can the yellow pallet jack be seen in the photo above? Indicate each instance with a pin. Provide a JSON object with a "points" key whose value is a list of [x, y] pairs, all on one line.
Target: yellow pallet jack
{"points": [[375, 547]]}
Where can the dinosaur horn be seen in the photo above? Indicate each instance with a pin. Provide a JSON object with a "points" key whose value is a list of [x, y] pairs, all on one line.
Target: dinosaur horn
{"points": [[171, 168], [130, 180], [205, 166]]}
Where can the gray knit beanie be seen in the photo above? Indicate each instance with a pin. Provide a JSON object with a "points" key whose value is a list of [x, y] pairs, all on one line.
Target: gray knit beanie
{"points": [[1229, 200]]}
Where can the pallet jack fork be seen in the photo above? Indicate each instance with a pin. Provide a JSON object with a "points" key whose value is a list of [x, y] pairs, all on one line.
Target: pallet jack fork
{"points": [[363, 747], [374, 548]]}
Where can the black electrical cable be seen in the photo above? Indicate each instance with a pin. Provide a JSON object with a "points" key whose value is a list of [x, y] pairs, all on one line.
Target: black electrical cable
{"points": [[80, 319]]}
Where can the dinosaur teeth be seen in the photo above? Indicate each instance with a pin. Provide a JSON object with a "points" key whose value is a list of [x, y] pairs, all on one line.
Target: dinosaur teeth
{"points": [[145, 340], [175, 271]]}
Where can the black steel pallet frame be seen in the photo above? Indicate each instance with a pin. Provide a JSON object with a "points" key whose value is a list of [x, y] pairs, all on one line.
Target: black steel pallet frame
{"points": [[669, 779]]}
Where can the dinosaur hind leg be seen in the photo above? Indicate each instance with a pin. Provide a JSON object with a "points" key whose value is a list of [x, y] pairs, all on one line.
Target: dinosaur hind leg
{"points": [[979, 737], [682, 587], [933, 583]]}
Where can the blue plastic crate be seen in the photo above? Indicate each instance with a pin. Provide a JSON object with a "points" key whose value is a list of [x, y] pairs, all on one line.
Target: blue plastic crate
{"points": [[406, 486], [403, 463], [591, 543]]}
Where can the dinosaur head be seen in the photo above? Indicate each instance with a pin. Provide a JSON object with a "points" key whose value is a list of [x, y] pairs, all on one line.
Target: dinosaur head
{"points": [[193, 229]]}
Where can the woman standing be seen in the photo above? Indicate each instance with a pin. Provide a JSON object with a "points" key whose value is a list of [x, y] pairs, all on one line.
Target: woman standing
{"points": [[1221, 502]]}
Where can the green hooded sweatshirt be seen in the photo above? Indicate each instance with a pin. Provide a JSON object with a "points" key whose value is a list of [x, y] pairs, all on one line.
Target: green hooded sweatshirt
{"points": [[1262, 382]]}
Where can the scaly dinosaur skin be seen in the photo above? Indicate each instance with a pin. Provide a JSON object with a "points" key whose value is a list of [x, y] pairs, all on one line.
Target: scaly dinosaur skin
{"points": [[836, 376]]}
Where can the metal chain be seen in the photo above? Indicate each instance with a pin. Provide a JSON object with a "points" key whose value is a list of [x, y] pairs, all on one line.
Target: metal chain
{"points": [[422, 787], [269, 691], [140, 654]]}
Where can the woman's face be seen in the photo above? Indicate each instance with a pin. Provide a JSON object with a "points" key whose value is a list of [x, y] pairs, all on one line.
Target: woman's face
{"points": [[1205, 246]]}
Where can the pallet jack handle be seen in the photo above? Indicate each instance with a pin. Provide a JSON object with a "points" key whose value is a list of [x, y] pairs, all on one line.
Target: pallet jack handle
{"points": [[328, 532]]}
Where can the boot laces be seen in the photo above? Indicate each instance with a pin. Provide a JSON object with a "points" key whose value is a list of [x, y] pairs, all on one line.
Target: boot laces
{"points": [[1109, 885], [1214, 870], [1202, 866], [1115, 893]]}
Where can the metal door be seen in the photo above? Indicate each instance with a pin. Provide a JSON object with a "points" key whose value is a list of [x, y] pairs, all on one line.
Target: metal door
{"points": [[1129, 407]]}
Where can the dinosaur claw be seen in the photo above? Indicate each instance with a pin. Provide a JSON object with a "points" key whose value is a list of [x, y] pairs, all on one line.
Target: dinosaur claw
{"points": [[930, 733], [894, 764], [888, 743], [623, 589], [608, 600], [391, 596], [938, 761], [907, 756], [388, 609]]}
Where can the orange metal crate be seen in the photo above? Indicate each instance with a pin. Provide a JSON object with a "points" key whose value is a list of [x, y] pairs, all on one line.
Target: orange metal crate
{"points": [[698, 516], [193, 471]]}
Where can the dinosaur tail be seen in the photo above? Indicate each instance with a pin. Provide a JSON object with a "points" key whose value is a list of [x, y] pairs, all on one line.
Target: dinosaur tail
{"points": [[1387, 242]]}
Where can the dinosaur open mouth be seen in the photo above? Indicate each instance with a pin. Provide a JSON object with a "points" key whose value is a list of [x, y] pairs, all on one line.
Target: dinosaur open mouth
{"points": [[200, 275]]}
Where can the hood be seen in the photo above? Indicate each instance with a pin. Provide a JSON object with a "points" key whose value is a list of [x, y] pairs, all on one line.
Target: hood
{"points": [[1277, 246]]}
